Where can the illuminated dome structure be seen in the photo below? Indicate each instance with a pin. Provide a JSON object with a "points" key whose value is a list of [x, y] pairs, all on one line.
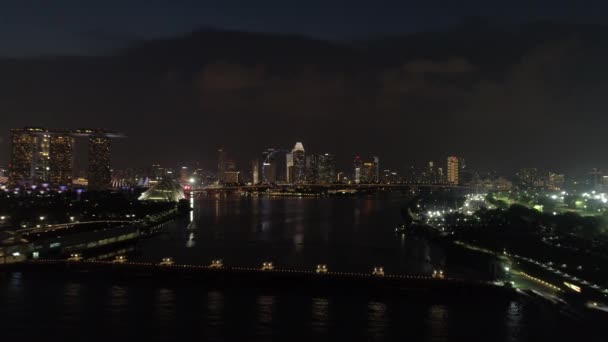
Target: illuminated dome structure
{"points": [[166, 190]]}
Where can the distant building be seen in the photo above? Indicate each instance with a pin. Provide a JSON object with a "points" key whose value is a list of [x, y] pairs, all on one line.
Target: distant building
{"points": [[255, 172], [289, 167], [184, 176], [221, 165], [299, 163], [23, 150], [376, 177], [61, 159], [527, 177], [166, 190], [312, 171], [326, 169], [390, 177], [99, 177], [232, 177], [357, 167], [453, 176]]}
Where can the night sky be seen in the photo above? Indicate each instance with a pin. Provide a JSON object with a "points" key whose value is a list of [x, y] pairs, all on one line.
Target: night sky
{"points": [[505, 86]]}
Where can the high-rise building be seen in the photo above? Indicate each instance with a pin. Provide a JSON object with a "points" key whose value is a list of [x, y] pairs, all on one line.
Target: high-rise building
{"points": [[326, 166], [312, 171], [376, 177], [100, 177], [453, 170], [29, 156], [42, 158], [184, 176], [61, 159], [289, 167], [232, 177], [255, 172], [367, 173], [22, 157], [299, 163], [528, 177], [357, 168], [221, 165], [274, 166]]}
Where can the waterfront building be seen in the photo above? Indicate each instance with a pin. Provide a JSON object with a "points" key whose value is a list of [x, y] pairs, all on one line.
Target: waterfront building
{"points": [[99, 176], [453, 170], [357, 166], [326, 169], [221, 165], [289, 167], [298, 156], [166, 190], [232, 177], [255, 172], [61, 159], [29, 156], [312, 171]]}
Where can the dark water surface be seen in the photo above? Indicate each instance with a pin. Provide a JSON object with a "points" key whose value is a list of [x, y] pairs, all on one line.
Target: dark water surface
{"points": [[345, 233], [349, 234]]}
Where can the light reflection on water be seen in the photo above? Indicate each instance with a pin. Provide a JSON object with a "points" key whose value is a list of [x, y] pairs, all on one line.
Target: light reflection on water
{"points": [[378, 320], [320, 315], [103, 310], [438, 317]]}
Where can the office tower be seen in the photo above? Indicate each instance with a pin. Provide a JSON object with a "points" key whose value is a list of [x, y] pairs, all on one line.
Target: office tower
{"points": [[357, 166], [42, 158], [22, 157], [367, 173], [376, 177], [528, 177], [453, 170], [326, 166], [255, 171], [299, 163], [289, 167], [184, 176], [232, 177], [99, 162], [273, 167], [29, 156], [221, 165], [312, 171], [61, 159]]}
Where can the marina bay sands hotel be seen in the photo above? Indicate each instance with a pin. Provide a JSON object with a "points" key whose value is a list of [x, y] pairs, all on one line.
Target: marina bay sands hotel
{"points": [[41, 156]]}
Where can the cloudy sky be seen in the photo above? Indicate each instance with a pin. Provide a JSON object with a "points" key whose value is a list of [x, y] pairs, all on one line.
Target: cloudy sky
{"points": [[506, 86]]}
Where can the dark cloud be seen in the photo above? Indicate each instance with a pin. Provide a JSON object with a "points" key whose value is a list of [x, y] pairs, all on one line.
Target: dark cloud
{"points": [[543, 106]]}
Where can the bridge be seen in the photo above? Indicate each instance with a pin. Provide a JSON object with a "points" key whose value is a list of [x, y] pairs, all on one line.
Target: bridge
{"points": [[277, 278]]}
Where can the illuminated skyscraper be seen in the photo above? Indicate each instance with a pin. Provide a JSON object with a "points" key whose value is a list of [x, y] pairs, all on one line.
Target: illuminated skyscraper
{"points": [[221, 165], [376, 177], [453, 170], [299, 163], [29, 156], [357, 168], [289, 167], [255, 171], [312, 171], [326, 165], [61, 159], [367, 173], [100, 177]]}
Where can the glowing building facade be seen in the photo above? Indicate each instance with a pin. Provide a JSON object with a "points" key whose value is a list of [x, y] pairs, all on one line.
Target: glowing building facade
{"points": [[99, 175]]}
